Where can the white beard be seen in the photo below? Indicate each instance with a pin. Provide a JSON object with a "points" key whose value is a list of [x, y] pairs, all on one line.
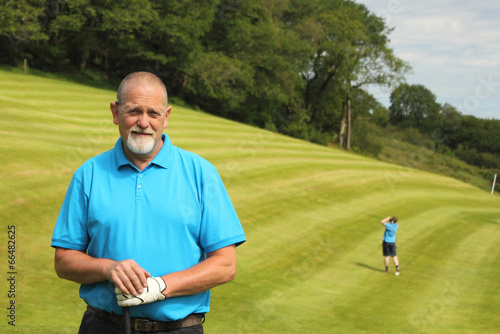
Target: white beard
{"points": [[139, 145]]}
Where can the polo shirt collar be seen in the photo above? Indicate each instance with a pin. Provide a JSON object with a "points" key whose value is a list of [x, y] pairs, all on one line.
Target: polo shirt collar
{"points": [[162, 159]]}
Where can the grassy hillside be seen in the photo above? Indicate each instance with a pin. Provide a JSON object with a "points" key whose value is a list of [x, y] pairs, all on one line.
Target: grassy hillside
{"points": [[425, 157], [312, 262]]}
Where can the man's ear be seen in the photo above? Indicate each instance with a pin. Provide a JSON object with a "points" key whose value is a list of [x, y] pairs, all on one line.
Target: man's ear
{"points": [[114, 110], [165, 123]]}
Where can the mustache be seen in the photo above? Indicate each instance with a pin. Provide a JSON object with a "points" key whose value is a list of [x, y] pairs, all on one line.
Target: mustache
{"points": [[140, 131]]}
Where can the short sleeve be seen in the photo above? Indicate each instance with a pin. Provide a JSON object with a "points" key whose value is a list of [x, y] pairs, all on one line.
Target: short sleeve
{"points": [[220, 225], [71, 227]]}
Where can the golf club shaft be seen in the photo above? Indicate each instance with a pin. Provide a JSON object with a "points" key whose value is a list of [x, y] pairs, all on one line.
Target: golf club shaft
{"points": [[126, 320]]}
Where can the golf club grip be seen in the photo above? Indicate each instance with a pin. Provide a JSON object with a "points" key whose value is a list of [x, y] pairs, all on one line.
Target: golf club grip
{"points": [[126, 320]]}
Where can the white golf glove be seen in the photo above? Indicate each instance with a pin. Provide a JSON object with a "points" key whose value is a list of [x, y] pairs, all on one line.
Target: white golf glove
{"points": [[152, 293]]}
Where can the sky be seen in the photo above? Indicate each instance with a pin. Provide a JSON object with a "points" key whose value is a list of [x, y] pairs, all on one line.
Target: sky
{"points": [[453, 47]]}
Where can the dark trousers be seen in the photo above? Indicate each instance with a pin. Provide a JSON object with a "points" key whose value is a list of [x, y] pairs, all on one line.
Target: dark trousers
{"points": [[93, 324]]}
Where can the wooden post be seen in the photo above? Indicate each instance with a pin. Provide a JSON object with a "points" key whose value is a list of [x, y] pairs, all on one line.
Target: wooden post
{"points": [[494, 181]]}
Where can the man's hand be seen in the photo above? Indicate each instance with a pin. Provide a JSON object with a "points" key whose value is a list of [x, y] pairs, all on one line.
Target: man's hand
{"points": [[384, 221], [128, 276], [153, 292]]}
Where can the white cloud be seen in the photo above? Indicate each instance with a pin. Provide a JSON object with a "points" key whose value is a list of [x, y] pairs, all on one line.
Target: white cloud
{"points": [[451, 45]]}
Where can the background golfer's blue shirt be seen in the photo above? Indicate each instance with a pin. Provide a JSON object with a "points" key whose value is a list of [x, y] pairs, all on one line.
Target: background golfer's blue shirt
{"points": [[390, 232], [166, 217]]}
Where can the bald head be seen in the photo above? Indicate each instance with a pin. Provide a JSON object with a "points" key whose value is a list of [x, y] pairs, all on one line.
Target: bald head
{"points": [[140, 79]]}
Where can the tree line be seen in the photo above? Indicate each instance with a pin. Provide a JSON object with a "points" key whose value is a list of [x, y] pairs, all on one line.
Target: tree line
{"points": [[475, 141], [298, 67]]}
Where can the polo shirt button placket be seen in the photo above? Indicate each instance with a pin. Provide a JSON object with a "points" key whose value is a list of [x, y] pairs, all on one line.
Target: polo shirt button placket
{"points": [[139, 186]]}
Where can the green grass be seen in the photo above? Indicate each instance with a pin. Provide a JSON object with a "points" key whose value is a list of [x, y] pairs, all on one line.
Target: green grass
{"points": [[312, 262], [402, 153]]}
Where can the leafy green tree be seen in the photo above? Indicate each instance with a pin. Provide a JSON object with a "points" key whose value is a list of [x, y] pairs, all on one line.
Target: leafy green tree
{"points": [[179, 34], [21, 25], [373, 63], [349, 50], [322, 25], [237, 27], [120, 36], [479, 134], [261, 85], [364, 105], [452, 121], [67, 34], [220, 80], [380, 116], [113, 37], [366, 138], [415, 106]]}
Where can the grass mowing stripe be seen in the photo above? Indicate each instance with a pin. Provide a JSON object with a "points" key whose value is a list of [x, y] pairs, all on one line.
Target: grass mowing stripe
{"points": [[452, 295]]}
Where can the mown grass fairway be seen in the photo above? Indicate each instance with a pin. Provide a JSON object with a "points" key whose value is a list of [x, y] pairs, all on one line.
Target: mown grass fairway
{"points": [[312, 262]]}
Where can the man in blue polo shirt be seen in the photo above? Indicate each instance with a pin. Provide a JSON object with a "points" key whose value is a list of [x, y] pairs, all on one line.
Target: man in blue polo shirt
{"points": [[389, 242], [146, 224]]}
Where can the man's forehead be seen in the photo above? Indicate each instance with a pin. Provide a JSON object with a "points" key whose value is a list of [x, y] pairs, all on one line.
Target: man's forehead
{"points": [[144, 86], [143, 106], [144, 91]]}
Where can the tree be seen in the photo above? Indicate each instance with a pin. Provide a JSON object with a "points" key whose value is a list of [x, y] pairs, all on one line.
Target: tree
{"points": [[452, 121], [377, 63], [21, 24], [415, 106], [252, 61], [219, 80], [350, 50], [374, 63], [113, 37], [179, 35]]}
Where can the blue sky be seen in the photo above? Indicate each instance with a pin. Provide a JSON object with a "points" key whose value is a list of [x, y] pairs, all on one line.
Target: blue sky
{"points": [[453, 47]]}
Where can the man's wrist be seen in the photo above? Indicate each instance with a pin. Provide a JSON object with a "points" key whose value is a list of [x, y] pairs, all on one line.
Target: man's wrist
{"points": [[164, 292], [107, 268]]}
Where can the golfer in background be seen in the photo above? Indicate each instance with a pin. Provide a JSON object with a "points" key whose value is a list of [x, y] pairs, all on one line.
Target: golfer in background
{"points": [[146, 224], [389, 242]]}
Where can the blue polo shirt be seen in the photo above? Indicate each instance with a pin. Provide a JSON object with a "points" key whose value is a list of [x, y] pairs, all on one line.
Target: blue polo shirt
{"points": [[390, 232], [166, 217]]}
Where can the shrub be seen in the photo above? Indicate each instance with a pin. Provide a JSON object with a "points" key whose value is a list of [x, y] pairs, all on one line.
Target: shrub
{"points": [[365, 138]]}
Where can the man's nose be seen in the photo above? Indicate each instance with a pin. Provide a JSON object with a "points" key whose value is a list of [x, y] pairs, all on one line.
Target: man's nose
{"points": [[143, 121]]}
